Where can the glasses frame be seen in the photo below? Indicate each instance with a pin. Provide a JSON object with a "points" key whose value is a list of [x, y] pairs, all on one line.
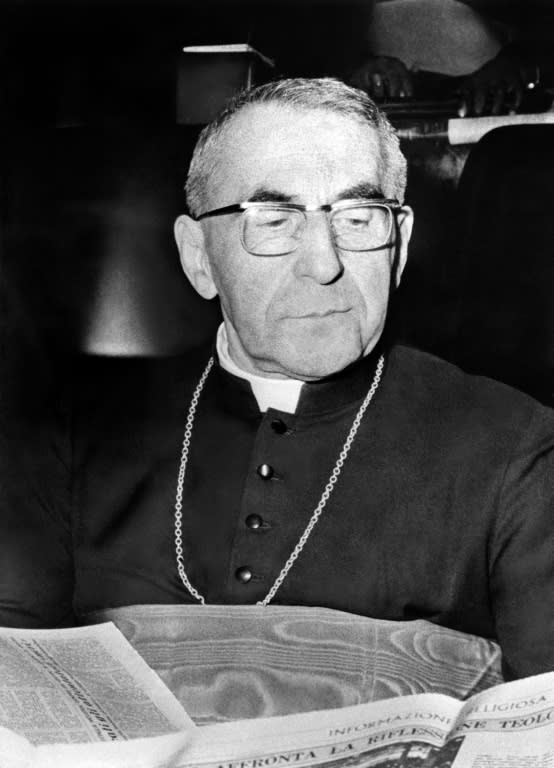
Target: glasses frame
{"points": [[392, 205]]}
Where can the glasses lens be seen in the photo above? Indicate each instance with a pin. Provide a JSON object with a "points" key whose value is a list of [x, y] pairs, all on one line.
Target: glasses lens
{"points": [[362, 228], [271, 231]]}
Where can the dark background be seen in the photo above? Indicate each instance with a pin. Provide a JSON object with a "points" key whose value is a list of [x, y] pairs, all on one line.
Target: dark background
{"points": [[90, 148]]}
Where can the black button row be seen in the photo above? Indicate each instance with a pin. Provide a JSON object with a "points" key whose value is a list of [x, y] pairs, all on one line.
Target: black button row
{"points": [[254, 522]]}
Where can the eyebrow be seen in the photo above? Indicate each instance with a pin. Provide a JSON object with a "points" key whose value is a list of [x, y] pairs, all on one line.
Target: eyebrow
{"points": [[363, 190], [268, 195]]}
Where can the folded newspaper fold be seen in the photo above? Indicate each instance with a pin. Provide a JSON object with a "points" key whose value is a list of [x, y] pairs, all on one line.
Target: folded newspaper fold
{"points": [[89, 685]]}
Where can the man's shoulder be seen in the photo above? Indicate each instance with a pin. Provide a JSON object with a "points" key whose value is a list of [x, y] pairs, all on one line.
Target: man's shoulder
{"points": [[445, 390]]}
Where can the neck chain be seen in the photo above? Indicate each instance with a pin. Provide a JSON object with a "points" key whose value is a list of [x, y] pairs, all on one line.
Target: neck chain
{"points": [[316, 513]]}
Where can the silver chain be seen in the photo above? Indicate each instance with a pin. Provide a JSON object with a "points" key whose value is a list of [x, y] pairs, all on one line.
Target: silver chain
{"points": [[316, 513]]}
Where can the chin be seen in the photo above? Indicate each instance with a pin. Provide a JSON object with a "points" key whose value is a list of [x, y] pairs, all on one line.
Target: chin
{"points": [[317, 365], [311, 350]]}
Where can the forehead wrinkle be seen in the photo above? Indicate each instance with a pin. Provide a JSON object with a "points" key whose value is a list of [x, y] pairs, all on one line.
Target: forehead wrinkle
{"points": [[237, 140]]}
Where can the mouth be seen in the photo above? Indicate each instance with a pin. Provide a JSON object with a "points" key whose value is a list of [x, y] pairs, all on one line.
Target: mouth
{"points": [[320, 314]]}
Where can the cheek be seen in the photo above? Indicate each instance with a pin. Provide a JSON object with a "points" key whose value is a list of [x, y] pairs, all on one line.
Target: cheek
{"points": [[246, 286], [372, 281], [228, 264]]}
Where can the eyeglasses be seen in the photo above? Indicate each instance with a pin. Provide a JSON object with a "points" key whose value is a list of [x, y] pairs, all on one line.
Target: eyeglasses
{"points": [[275, 229]]}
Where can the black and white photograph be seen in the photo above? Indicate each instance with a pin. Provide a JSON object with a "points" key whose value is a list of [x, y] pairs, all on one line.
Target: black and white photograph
{"points": [[277, 383]]}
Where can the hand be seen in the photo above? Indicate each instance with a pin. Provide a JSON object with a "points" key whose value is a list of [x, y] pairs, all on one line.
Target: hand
{"points": [[384, 77], [498, 87]]}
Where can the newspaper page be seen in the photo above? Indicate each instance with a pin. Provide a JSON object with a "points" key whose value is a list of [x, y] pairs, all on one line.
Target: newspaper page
{"points": [[361, 735], [81, 685], [510, 726]]}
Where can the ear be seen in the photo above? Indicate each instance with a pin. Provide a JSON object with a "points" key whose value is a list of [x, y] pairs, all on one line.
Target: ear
{"points": [[405, 223], [194, 257]]}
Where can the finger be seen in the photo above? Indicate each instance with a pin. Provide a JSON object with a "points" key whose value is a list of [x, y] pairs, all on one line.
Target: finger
{"points": [[465, 103], [377, 86], [393, 86], [498, 99], [479, 100], [514, 96], [530, 77], [407, 87], [517, 97]]}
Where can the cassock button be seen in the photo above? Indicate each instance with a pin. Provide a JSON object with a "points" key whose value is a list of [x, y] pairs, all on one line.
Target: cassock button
{"points": [[243, 574], [265, 471], [254, 522], [278, 426]]}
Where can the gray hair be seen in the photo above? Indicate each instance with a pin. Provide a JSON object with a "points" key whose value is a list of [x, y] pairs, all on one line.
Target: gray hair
{"points": [[305, 94]]}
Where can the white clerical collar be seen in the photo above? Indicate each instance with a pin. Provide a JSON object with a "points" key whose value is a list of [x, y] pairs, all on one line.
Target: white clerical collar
{"points": [[282, 394]]}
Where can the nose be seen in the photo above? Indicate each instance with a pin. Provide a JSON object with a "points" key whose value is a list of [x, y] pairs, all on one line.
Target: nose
{"points": [[317, 257]]}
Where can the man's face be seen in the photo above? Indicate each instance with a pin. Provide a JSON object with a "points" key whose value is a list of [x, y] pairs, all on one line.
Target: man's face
{"points": [[309, 313]]}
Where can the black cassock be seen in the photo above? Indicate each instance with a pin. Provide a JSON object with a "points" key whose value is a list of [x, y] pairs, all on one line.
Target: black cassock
{"points": [[443, 509]]}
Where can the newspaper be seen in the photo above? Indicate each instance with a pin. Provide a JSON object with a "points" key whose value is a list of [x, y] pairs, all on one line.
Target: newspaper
{"points": [[89, 685], [81, 685], [509, 726]]}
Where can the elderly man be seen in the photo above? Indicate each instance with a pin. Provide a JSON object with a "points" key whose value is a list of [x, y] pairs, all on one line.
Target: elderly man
{"points": [[307, 460]]}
